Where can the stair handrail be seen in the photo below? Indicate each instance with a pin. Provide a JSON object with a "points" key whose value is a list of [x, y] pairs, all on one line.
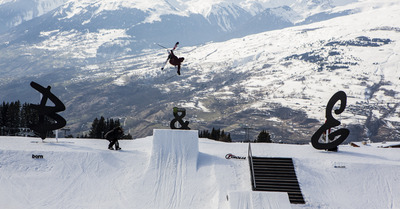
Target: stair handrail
{"points": [[250, 156]]}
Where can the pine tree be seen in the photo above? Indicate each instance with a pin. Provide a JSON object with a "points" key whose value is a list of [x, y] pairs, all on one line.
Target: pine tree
{"points": [[93, 129], [3, 111], [12, 117], [29, 116], [117, 123], [109, 124], [264, 137], [101, 126], [2, 119], [204, 134], [215, 134], [223, 137]]}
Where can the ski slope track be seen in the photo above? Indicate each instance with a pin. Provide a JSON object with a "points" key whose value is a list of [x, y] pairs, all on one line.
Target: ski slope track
{"points": [[176, 169]]}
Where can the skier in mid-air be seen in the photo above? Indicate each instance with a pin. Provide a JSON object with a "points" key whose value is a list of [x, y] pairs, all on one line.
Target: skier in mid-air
{"points": [[174, 60]]}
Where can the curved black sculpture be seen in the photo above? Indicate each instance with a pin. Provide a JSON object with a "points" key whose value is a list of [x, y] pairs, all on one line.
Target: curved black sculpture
{"points": [[178, 118], [42, 127], [332, 122]]}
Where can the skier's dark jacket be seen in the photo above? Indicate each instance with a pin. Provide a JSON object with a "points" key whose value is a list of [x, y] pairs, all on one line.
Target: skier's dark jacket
{"points": [[114, 134], [174, 60]]}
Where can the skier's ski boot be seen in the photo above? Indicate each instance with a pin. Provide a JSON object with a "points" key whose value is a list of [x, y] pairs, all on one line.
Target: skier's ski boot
{"points": [[118, 148], [110, 148]]}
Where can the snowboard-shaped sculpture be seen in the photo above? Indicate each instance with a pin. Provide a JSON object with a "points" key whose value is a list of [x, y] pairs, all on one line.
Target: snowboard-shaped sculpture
{"points": [[43, 125]]}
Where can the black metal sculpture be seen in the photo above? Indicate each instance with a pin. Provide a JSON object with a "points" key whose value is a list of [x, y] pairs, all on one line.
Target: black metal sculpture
{"points": [[51, 112], [332, 122], [178, 118]]}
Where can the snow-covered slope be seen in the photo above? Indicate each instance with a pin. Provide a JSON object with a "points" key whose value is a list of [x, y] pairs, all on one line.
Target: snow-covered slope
{"points": [[146, 22], [276, 80], [15, 12], [174, 169]]}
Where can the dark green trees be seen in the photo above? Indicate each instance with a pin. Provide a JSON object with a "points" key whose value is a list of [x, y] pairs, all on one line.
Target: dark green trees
{"points": [[14, 116], [101, 126], [216, 134], [264, 137]]}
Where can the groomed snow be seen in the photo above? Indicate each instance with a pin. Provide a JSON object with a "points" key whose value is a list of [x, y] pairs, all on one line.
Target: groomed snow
{"points": [[265, 200], [175, 169]]}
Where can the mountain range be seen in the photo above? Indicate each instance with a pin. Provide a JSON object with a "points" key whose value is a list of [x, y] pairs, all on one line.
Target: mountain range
{"points": [[249, 65]]}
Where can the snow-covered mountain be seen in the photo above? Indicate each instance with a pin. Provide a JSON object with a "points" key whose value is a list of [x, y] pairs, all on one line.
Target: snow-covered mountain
{"points": [[15, 12], [100, 59], [143, 23]]}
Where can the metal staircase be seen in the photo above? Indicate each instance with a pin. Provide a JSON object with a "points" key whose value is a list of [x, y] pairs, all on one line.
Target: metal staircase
{"points": [[275, 175]]}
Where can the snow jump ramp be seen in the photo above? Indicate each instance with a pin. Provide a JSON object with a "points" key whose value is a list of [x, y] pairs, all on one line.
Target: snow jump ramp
{"points": [[171, 169], [173, 180], [176, 149]]}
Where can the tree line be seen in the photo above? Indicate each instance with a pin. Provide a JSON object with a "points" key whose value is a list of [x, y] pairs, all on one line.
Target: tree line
{"points": [[218, 135], [15, 117], [101, 126]]}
